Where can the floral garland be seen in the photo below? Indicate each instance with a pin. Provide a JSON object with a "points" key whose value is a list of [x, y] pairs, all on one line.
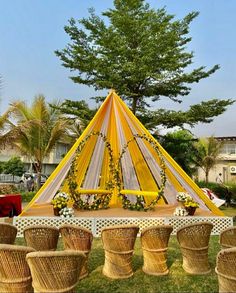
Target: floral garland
{"points": [[140, 204], [100, 201]]}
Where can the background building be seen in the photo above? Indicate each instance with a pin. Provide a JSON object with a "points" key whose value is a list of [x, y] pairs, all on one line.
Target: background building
{"points": [[226, 163], [48, 165]]}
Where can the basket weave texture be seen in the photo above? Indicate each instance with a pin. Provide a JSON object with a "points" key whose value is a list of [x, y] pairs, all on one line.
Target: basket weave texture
{"points": [[228, 238], [154, 242], [14, 271], [194, 243], [77, 238], [41, 237], [7, 233], [118, 243], [55, 271], [226, 270]]}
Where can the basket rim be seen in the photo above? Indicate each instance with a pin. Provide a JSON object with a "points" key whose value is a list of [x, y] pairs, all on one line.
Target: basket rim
{"points": [[157, 227], [120, 227], [13, 247], [76, 227], [32, 227], [193, 225], [61, 253]]}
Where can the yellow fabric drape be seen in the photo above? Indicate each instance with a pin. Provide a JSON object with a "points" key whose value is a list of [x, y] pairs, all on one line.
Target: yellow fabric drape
{"points": [[145, 178], [144, 175]]}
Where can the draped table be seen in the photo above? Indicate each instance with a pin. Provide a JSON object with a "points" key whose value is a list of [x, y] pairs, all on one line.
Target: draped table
{"points": [[10, 205]]}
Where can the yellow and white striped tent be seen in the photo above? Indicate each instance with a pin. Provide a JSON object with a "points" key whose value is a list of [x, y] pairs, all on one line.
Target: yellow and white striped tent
{"points": [[140, 164]]}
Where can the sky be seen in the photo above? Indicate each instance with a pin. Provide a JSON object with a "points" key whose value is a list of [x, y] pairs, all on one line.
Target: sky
{"points": [[32, 30]]}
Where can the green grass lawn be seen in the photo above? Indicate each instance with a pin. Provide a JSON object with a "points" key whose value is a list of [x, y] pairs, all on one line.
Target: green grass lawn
{"points": [[229, 211], [177, 280]]}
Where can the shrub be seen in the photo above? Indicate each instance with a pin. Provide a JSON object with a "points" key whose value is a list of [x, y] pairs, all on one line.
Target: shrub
{"points": [[7, 189], [27, 196]]}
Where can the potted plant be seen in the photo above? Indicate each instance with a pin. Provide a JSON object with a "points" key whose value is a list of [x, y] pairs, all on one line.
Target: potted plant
{"points": [[181, 197], [59, 202], [191, 206]]}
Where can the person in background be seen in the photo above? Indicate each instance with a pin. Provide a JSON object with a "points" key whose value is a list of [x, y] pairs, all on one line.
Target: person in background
{"points": [[219, 179], [30, 183]]}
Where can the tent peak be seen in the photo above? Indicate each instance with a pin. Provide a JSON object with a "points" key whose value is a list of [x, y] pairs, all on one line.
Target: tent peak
{"points": [[112, 91]]}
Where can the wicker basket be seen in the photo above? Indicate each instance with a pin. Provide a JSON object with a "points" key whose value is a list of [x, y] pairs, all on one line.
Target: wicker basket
{"points": [[228, 238], [14, 271], [154, 242], [118, 243], [55, 271], [194, 242], [226, 270], [7, 233], [77, 238], [41, 237]]}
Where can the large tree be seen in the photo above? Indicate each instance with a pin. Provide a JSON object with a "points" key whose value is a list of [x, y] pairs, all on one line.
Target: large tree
{"points": [[37, 129], [142, 53]]}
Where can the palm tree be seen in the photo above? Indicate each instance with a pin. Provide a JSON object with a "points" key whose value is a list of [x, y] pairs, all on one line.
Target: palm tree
{"points": [[208, 150], [7, 131], [38, 128]]}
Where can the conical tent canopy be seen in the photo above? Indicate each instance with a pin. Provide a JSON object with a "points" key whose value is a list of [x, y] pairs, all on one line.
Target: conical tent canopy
{"points": [[140, 164]]}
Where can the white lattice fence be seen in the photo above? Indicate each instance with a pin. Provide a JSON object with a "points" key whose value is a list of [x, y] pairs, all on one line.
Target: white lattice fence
{"points": [[22, 222], [141, 222], [96, 224], [220, 223]]}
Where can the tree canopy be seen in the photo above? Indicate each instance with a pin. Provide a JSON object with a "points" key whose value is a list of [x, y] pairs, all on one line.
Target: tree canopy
{"points": [[141, 53], [78, 112], [14, 166], [181, 146]]}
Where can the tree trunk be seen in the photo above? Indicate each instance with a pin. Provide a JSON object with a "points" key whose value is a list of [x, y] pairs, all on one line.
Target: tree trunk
{"points": [[134, 105], [207, 175], [38, 167]]}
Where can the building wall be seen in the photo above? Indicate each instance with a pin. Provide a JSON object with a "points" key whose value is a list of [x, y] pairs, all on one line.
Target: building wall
{"points": [[49, 163], [226, 164]]}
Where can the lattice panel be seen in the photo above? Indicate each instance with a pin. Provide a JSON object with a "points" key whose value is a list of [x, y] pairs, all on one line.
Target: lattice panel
{"points": [[96, 224], [22, 222], [141, 222], [220, 223]]}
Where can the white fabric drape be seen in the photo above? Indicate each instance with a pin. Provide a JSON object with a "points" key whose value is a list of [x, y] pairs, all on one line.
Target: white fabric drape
{"points": [[169, 192], [130, 180], [186, 186]]}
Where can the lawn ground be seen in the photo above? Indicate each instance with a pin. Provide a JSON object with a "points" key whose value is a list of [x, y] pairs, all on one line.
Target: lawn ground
{"points": [[177, 280]]}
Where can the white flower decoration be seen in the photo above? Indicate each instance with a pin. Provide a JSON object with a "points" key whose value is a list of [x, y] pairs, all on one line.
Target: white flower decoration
{"points": [[180, 212], [66, 212]]}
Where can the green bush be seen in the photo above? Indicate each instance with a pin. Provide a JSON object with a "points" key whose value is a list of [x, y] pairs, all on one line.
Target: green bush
{"points": [[27, 196], [232, 188], [7, 188]]}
